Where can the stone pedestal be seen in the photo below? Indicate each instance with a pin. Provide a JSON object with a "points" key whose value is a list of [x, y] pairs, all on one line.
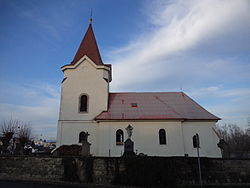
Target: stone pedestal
{"points": [[85, 148], [224, 147], [129, 148]]}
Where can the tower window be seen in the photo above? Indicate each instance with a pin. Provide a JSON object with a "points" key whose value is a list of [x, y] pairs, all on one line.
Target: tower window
{"points": [[83, 104], [162, 137], [119, 137]]}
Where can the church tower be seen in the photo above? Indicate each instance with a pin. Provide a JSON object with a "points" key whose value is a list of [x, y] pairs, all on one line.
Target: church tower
{"points": [[84, 90]]}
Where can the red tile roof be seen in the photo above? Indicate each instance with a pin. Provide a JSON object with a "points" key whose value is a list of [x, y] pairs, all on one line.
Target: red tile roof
{"points": [[88, 47], [154, 106]]}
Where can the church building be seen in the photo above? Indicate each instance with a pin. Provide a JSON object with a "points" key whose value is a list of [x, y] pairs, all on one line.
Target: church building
{"points": [[160, 123]]}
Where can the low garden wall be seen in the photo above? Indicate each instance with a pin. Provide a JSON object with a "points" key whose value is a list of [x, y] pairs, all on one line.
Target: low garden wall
{"points": [[157, 171]]}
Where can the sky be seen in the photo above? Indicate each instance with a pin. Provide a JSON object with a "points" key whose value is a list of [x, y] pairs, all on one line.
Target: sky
{"points": [[200, 47]]}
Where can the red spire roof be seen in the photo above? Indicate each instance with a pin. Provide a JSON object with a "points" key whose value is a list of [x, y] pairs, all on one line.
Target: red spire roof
{"points": [[89, 48]]}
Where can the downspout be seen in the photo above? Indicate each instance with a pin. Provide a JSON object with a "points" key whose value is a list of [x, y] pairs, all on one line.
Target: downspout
{"points": [[183, 143]]}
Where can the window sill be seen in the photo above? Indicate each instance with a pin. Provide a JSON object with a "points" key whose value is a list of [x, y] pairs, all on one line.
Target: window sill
{"points": [[119, 143]]}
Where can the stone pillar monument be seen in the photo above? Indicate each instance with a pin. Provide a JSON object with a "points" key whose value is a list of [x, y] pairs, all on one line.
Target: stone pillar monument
{"points": [[85, 152], [129, 144]]}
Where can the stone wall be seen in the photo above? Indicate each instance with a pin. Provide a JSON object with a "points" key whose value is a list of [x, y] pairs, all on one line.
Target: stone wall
{"points": [[31, 168], [163, 171]]}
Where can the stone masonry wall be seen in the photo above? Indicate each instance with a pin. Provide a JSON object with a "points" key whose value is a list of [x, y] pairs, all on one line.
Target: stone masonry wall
{"points": [[162, 171], [31, 168]]}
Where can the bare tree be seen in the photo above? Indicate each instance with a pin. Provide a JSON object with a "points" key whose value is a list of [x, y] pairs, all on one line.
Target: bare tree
{"points": [[248, 123], [9, 126], [16, 131], [237, 140], [7, 130], [24, 135]]}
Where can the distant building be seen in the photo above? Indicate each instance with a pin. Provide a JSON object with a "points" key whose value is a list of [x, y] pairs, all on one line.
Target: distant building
{"points": [[164, 123], [45, 143]]}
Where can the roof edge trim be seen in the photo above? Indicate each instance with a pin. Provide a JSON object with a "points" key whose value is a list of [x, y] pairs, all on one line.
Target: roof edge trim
{"points": [[85, 57]]}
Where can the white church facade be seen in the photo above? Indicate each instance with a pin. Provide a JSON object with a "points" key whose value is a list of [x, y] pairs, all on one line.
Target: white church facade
{"points": [[164, 123]]}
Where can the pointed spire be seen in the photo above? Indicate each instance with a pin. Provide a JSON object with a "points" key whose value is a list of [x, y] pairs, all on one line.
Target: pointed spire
{"points": [[88, 47]]}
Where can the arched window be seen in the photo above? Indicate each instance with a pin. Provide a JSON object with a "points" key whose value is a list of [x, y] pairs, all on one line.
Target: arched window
{"points": [[196, 141], [81, 136], [162, 137], [119, 137], [83, 103]]}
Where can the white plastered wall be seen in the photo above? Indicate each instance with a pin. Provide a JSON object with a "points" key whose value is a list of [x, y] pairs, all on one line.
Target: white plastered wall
{"points": [[85, 78], [145, 137], [70, 131], [208, 138]]}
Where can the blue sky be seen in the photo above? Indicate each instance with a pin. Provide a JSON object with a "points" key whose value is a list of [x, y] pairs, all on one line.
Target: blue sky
{"points": [[199, 47]]}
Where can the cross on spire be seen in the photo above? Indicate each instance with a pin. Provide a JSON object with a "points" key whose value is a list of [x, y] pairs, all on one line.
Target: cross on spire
{"points": [[91, 19]]}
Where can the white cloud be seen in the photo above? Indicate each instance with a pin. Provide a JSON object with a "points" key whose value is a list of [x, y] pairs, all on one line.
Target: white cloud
{"points": [[219, 91], [232, 113], [231, 105], [179, 26], [37, 104], [199, 46]]}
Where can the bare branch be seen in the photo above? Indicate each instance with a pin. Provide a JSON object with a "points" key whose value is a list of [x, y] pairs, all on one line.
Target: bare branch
{"points": [[8, 126], [237, 139], [24, 133]]}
